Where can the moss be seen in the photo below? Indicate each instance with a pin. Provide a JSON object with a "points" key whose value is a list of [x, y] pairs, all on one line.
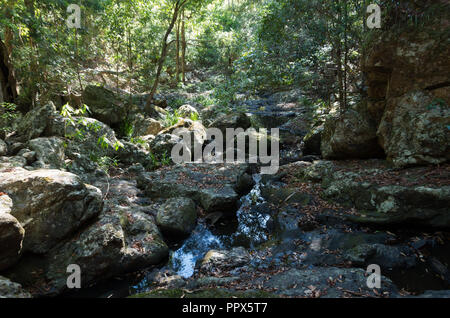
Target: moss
{"points": [[205, 293]]}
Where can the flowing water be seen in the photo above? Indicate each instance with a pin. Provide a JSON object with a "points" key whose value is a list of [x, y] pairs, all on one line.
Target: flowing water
{"points": [[251, 229]]}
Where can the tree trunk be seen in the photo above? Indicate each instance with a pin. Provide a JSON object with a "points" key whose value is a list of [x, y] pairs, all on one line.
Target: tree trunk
{"points": [[183, 48], [177, 57], [176, 10], [7, 79]]}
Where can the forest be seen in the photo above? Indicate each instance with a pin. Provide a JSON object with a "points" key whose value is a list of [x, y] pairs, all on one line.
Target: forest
{"points": [[224, 149]]}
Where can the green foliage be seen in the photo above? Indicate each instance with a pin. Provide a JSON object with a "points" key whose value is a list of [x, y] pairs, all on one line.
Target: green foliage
{"points": [[194, 116], [176, 103], [126, 128], [138, 141], [157, 161], [104, 162], [7, 114], [171, 118], [225, 93], [82, 126]]}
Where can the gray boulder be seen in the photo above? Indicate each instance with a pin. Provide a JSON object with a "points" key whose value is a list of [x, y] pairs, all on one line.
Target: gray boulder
{"points": [[350, 135], [220, 260], [49, 151], [11, 234], [177, 216], [35, 122], [415, 129], [163, 144], [50, 205], [104, 104]]}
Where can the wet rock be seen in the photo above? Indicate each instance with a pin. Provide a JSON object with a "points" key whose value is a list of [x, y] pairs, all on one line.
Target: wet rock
{"points": [[9, 289], [50, 205], [221, 260], [244, 184], [434, 294], [282, 196], [415, 130], [177, 216], [326, 282], [350, 135], [388, 257], [11, 234]]}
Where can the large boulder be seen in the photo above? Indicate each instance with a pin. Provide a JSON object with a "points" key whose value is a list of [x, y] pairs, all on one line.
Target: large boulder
{"points": [[35, 122], [192, 130], [177, 216], [118, 243], [394, 59], [104, 104], [412, 115], [380, 200], [415, 129], [124, 238], [221, 260], [9, 289], [146, 126], [11, 234], [49, 151], [50, 205], [163, 144], [350, 135]]}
